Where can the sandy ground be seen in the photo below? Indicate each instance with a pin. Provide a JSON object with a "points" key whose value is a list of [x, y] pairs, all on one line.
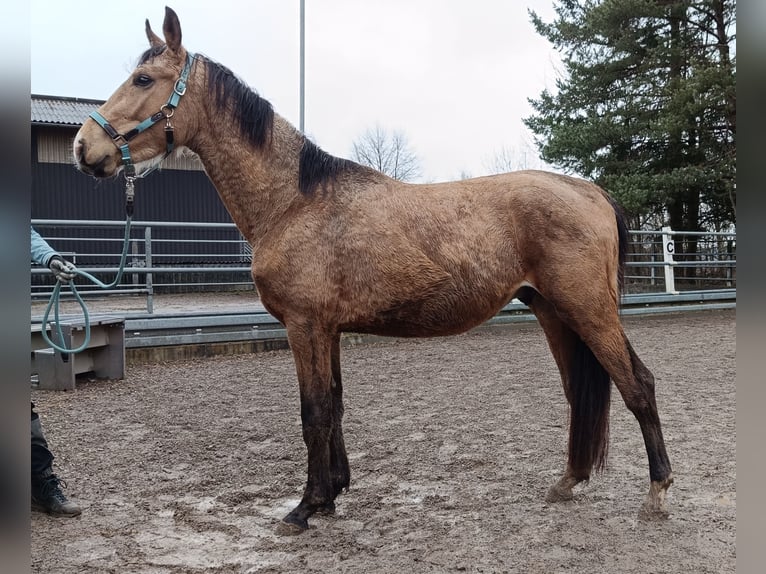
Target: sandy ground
{"points": [[187, 467]]}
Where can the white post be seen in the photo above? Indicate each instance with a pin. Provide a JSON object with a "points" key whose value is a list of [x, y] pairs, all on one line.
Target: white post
{"points": [[668, 248], [149, 278]]}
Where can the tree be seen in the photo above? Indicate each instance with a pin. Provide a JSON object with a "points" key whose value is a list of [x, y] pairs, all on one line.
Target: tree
{"points": [[511, 159], [647, 105], [388, 153]]}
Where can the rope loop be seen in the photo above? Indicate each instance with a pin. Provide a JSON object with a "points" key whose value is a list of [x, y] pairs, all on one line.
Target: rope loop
{"points": [[55, 300]]}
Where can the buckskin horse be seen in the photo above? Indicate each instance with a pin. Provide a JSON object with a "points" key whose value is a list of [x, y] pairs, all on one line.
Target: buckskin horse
{"points": [[339, 247]]}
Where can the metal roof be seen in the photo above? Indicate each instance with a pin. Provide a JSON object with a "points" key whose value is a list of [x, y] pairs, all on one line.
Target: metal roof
{"points": [[56, 110]]}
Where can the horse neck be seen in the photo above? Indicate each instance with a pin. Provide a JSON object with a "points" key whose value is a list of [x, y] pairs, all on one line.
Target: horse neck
{"points": [[257, 186]]}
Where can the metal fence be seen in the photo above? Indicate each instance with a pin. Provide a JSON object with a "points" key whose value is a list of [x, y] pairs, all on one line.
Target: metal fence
{"points": [[173, 257], [672, 261]]}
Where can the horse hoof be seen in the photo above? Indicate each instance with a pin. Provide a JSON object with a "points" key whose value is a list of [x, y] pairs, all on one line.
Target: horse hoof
{"points": [[650, 513], [654, 505], [285, 528], [292, 525], [326, 509], [558, 493]]}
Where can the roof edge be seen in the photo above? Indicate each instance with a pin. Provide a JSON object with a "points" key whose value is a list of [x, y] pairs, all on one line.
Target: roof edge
{"points": [[67, 99]]}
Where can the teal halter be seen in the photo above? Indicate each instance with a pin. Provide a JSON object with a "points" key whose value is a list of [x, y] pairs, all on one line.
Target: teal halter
{"points": [[166, 112], [121, 141]]}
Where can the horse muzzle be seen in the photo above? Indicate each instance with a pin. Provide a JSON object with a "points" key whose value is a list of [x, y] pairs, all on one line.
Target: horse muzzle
{"points": [[91, 161]]}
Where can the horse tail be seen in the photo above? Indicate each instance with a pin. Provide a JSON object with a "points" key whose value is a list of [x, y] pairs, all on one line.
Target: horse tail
{"points": [[622, 244], [590, 386], [589, 399]]}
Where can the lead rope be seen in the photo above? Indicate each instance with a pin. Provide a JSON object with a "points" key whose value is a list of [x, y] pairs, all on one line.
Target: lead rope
{"points": [[55, 300]]}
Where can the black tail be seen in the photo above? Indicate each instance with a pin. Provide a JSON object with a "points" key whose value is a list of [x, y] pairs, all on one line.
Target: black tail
{"points": [[622, 238], [590, 388]]}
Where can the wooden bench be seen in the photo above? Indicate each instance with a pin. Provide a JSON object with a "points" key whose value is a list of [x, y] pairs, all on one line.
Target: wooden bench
{"points": [[104, 355]]}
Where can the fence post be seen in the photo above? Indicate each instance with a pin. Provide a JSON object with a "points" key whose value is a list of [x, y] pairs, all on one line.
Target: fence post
{"points": [[135, 280], [149, 286], [668, 248], [729, 257]]}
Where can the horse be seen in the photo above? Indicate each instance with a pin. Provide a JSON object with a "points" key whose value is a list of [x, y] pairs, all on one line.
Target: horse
{"points": [[339, 247]]}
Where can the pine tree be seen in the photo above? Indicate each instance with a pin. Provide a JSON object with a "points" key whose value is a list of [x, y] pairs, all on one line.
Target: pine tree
{"points": [[647, 105]]}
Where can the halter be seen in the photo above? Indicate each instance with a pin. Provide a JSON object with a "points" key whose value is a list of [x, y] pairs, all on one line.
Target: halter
{"points": [[121, 140]]}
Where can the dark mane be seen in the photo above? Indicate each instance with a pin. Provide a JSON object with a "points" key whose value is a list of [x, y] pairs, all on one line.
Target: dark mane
{"points": [[255, 116], [317, 168], [253, 113], [151, 53]]}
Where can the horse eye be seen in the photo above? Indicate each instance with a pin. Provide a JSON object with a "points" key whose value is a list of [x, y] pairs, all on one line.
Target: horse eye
{"points": [[142, 81]]}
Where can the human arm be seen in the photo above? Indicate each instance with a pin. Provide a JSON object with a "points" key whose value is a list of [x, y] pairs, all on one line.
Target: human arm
{"points": [[44, 254]]}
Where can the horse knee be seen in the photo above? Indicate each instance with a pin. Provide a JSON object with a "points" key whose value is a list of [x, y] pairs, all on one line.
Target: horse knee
{"points": [[644, 401], [638, 393], [639, 404], [642, 374], [316, 411]]}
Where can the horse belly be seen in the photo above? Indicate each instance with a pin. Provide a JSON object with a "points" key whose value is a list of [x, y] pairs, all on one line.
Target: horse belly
{"points": [[430, 296], [429, 317]]}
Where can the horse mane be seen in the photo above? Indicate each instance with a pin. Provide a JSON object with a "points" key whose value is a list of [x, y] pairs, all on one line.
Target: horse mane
{"points": [[255, 117], [253, 113], [151, 53], [317, 168]]}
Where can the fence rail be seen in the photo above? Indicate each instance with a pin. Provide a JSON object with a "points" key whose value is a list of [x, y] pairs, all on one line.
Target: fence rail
{"points": [[192, 256]]}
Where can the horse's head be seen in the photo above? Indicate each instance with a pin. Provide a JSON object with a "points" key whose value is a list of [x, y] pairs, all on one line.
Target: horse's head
{"points": [[128, 129]]}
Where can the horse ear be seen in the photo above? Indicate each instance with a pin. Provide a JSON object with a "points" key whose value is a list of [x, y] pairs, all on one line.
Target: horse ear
{"points": [[154, 39], [171, 27]]}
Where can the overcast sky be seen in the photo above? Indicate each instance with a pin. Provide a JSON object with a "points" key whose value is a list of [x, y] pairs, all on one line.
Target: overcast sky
{"points": [[454, 76]]}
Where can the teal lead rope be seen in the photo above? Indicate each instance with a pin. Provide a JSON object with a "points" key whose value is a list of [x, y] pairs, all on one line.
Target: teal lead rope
{"points": [[55, 299]]}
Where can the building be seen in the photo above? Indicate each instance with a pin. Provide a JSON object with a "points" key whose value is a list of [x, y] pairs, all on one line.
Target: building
{"points": [[180, 191]]}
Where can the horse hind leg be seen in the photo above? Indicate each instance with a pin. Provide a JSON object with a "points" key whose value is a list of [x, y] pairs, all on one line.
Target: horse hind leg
{"points": [[587, 389], [644, 408], [600, 327]]}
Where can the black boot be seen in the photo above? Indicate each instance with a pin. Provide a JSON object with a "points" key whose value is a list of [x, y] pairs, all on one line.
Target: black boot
{"points": [[47, 496]]}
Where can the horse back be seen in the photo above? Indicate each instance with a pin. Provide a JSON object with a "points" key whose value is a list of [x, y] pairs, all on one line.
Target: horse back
{"points": [[422, 260]]}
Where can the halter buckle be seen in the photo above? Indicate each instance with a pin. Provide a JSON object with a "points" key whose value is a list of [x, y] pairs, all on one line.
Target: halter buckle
{"points": [[180, 87], [130, 192]]}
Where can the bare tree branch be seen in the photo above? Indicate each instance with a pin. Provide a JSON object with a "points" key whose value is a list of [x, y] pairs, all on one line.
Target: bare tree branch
{"points": [[512, 159], [390, 154]]}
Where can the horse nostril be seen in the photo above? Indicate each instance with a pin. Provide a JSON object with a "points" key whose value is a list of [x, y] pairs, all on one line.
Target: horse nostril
{"points": [[79, 151]]}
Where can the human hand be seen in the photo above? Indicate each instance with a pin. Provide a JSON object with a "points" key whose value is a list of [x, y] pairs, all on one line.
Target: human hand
{"points": [[63, 270]]}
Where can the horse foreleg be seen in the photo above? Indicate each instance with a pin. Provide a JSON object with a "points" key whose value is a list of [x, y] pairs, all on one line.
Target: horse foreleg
{"points": [[340, 473], [311, 347]]}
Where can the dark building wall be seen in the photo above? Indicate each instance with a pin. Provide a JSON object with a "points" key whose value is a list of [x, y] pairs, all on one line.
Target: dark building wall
{"points": [[60, 191]]}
